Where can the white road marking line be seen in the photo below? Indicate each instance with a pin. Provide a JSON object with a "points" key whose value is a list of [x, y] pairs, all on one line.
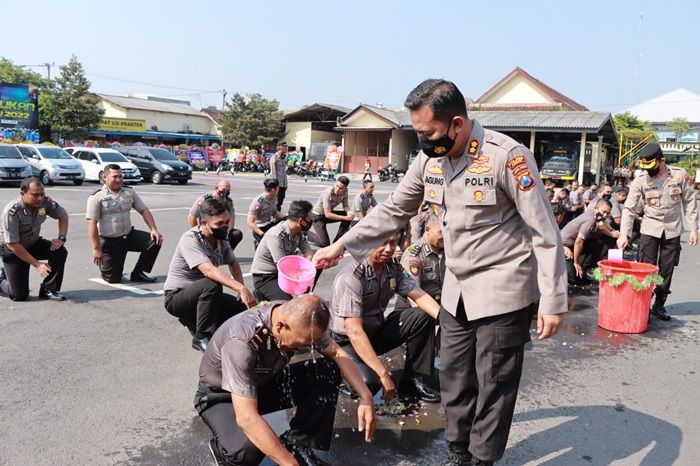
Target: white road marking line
{"points": [[82, 214], [131, 289]]}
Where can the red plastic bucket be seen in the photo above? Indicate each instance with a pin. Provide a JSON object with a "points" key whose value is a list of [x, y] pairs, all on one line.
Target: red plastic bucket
{"points": [[621, 309]]}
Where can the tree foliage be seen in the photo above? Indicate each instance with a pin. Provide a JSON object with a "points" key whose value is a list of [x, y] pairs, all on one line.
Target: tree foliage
{"points": [[69, 110], [253, 123], [625, 121], [11, 73], [679, 126]]}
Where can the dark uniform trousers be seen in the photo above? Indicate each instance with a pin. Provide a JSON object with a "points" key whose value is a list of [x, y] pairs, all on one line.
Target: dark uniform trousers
{"points": [[267, 288], [313, 390], [319, 235], [590, 255], [412, 326], [114, 254], [257, 238], [281, 193], [480, 366], [16, 287], [663, 252], [202, 306]]}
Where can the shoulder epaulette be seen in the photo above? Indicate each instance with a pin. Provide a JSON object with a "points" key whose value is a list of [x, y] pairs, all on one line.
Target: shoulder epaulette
{"points": [[96, 191], [359, 271], [413, 249], [13, 210]]}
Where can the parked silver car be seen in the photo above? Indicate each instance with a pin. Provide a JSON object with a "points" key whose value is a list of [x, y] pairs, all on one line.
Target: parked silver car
{"points": [[51, 163], [13, 167]]}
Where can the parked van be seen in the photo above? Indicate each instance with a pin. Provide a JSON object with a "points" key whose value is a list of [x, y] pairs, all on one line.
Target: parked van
{"points": [[95, 160], [157, 164], [51, 163], [13, 167]]}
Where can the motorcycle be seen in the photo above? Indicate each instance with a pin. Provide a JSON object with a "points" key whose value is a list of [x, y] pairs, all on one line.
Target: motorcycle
{"points": [[391, 173]]}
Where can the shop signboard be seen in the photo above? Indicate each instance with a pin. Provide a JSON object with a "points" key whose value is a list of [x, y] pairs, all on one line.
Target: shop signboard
{"points": [[19, 106]]}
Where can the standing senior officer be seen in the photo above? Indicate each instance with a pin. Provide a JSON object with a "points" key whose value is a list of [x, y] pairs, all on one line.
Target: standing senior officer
{"points": [[111, 233], [499, 234], [22, 247]]}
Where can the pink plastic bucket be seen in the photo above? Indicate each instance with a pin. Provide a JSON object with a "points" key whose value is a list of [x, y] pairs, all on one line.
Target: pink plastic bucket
{"points": [[296, 274]]}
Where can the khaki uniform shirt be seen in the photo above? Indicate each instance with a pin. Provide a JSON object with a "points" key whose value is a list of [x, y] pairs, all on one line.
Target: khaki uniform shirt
{"points": [[193, 250], [277, 243], [363, 202], [195, 210], [263, 209], [498, 227], [668, 199], [278, 169], [427, 269], [580, 227], [328, 199], [113, 210], [20, 225], [358, 293], [242, 355]]}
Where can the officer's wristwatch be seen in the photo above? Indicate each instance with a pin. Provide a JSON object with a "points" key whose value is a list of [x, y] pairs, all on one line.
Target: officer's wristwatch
{"points": [[62, 238]]}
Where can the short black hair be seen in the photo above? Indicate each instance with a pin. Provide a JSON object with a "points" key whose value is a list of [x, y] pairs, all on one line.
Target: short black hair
{"points": [[343, 179], [112, 167], [28, 182], [299, 209], [270, 184], [564, 190], [622, 189], [211, 206], [439, 95], [602, 202], [366, 182]]}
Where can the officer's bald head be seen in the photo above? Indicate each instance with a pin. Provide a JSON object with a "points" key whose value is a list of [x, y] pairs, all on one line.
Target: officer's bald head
{"points": [[300, 322]]}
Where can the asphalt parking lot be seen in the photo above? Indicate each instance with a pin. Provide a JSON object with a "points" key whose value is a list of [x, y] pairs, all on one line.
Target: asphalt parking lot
{"points": [[108, 376]]}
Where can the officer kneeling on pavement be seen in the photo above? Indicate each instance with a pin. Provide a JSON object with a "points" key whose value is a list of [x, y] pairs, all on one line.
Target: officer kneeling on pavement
{"points": [[194, 290], [111, 234], [325, 213], [245, 373], [284, 239], [361, 293], [581, 249], [220, 193], [263, 213], [22, 247], [668, 198]]}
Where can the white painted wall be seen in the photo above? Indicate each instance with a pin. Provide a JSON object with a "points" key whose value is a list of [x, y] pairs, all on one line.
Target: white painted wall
{"points": [[518, 90]]}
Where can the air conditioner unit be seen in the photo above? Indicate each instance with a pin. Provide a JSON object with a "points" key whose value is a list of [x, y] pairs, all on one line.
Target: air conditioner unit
{"points": [[154, 128]]}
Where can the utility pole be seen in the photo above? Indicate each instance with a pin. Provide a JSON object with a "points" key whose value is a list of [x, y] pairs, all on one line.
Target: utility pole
{"points": [[47, 65], [223, 103]]}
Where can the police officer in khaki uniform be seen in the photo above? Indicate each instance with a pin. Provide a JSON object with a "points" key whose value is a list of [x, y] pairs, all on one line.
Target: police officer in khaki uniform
{"points": [[364, 200], [503, 254], [220, 193], [668, 197], [278, 171], [325, 213], [281, 240], [263, 213], [110, 231], [361, 292], [582, 249], [425, 259], [21, 246], [241, 378]]}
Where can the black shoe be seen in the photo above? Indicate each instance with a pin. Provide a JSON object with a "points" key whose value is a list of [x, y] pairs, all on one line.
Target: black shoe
{"points": [[347, 392], [659, 311], [304, 455], [458, 459], [217, 460], [200, 344], [420, 388], [141, 277], [48, 294], [476, 461]]}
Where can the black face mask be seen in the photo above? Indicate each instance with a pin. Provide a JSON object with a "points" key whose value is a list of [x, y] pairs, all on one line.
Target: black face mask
{"points": [[606, 196], [600, 217], [224, 194], [438, 147], [653, 171], [305, 225], [220, 233]]}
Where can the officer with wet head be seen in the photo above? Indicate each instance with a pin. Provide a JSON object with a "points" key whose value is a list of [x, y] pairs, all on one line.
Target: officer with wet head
{"points": [[221, 192], [503, 255], [668, 198], [194, 287], [21, 245], [263, 213], [281, 240], [246, 373], [361, 293], [111, 233], [325, 212]]}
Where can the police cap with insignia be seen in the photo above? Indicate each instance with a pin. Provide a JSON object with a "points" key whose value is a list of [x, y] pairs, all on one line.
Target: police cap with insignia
{"points": [[649, 155]]}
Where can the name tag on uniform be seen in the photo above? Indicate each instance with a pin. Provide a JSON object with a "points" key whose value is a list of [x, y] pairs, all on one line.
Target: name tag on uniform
{"points": [[480, 196]]}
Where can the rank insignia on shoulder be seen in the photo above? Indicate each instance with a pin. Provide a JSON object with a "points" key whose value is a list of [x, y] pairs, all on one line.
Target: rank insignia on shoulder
{"points": [[473, 147], [413, 249], [359, 271], [97, 191], [13, 210]]}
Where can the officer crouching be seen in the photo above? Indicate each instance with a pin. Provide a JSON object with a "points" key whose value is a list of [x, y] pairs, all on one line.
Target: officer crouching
{"points": [[193, 289], [361, 293], [22, 247], [111, 233]]}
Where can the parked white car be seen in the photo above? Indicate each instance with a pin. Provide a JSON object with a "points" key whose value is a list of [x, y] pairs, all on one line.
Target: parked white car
{"points": [[13, 167], [51, 163], [95, 160]]}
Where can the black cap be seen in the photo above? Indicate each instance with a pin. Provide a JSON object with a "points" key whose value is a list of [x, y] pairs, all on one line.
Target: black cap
{"points": [[649, 155]]}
